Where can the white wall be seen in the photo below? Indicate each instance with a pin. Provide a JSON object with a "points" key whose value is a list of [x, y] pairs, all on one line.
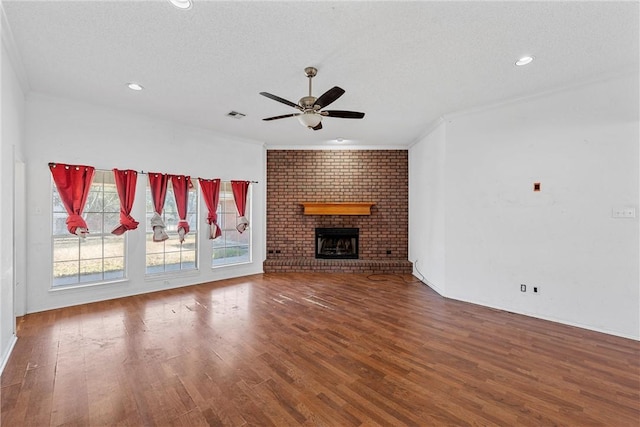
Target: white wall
{"points": [[11, 135], [59, 130], [582, 145], [427, 208]]}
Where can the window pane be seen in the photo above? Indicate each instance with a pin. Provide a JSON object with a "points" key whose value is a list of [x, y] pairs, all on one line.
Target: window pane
{"points": [[232, 237], [66, 248], [113, 246], [171, 221], [172, 244], [111, 221], [229, 221], [94, 201], [65, 272], [91, 248], [91, 270], [94, 222], [219, 242], [111, 202], [155, 263], [192, 219], [109, 181], [189, 242], [172, 261], [243, 238], [170, 202], [57, 203], [154, 247], [218, 253], [189, 260], [238, 252], [114, 268], [60, 224], [114, 275]]}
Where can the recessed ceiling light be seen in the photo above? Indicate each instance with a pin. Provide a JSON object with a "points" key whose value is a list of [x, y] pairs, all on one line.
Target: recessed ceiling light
{"points": [[339, 139], [134, 86], [181, 4], [524, 60]]}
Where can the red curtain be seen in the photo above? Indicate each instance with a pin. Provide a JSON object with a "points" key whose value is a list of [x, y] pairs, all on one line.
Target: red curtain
{"points": [[240, 190], [181, 186], [73, 183], [158, 184], [126, 186], [211, 195]]}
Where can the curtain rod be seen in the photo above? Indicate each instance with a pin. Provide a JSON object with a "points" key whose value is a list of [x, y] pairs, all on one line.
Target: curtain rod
{"points": [[145, 173]]}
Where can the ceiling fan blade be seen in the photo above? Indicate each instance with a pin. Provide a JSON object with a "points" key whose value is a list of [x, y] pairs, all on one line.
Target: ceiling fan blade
{"points": [[281, 117], [284, 101], [328, 97], [343, 114], [318, 126]]}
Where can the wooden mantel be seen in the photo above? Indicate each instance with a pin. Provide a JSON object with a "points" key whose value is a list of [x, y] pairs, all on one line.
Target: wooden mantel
{"points": [[337, 208]]}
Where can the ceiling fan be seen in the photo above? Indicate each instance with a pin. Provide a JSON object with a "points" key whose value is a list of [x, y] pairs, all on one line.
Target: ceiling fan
{"points": [[310, 107]]}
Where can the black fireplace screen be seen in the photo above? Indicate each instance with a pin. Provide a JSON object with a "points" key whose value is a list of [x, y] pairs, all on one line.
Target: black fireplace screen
{"points": [[337, 243]]}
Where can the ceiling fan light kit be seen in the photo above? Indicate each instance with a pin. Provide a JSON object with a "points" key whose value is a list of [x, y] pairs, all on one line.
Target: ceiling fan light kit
{"points": [[310, 107], [310, 119]]}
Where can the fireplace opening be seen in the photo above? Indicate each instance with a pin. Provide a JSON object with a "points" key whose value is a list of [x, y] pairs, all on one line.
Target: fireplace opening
{"points": [[337, 243]]}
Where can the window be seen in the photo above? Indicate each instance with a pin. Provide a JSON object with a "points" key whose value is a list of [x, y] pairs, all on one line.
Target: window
{"points": [[100, 256], [232, 247], [171, 255]]}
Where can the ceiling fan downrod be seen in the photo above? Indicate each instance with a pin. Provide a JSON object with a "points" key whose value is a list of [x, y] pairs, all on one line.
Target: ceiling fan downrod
{"points": [[307, 102]]}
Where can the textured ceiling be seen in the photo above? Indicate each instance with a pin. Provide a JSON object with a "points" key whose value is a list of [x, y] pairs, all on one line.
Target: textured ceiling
{"points": [[404, 64]]}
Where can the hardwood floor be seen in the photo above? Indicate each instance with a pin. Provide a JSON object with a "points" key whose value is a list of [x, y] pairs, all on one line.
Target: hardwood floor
{"points": [[313, 349]]}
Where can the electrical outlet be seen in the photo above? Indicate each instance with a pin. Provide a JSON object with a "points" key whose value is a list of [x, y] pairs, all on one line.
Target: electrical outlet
{"points": [[523, 288], [623, 212]]}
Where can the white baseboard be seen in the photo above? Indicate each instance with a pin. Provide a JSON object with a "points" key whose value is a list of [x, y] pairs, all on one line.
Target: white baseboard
{"points": [[5, 357]]}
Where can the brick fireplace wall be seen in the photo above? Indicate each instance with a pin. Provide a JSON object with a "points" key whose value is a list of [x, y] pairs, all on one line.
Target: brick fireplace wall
{"points": [[379, 176]]}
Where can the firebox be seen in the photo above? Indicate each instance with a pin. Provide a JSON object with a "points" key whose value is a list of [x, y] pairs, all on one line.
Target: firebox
{"points": [[337, 243]]}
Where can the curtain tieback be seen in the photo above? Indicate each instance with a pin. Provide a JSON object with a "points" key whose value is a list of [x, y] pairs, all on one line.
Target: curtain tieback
{"points": [[126, 223], [76, 222], [159, 235], [214, 230], [183, 229], [243, 224]]}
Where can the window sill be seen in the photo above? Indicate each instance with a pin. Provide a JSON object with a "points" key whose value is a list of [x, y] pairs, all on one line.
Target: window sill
{"points": [[215, 267], [171, 275], [87, 285]]}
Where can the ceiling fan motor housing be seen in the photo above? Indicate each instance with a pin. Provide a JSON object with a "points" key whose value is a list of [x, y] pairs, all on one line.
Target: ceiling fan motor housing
{"points": [[307, 102]]}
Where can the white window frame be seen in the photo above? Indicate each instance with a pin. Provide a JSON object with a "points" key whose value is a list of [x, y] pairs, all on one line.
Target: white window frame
{"points": [[170, 218], [227, 221], [107, 218]]}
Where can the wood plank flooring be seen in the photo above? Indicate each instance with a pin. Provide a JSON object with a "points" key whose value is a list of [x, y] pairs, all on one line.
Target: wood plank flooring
{"points": [[317, 350]]}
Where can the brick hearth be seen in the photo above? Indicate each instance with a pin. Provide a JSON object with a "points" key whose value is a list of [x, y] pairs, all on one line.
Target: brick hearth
{"points": [[291, 265], [296, 176]]}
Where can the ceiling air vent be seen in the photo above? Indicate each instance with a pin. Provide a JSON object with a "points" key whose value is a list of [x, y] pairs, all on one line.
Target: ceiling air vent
{"points": [[235, 114]]}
